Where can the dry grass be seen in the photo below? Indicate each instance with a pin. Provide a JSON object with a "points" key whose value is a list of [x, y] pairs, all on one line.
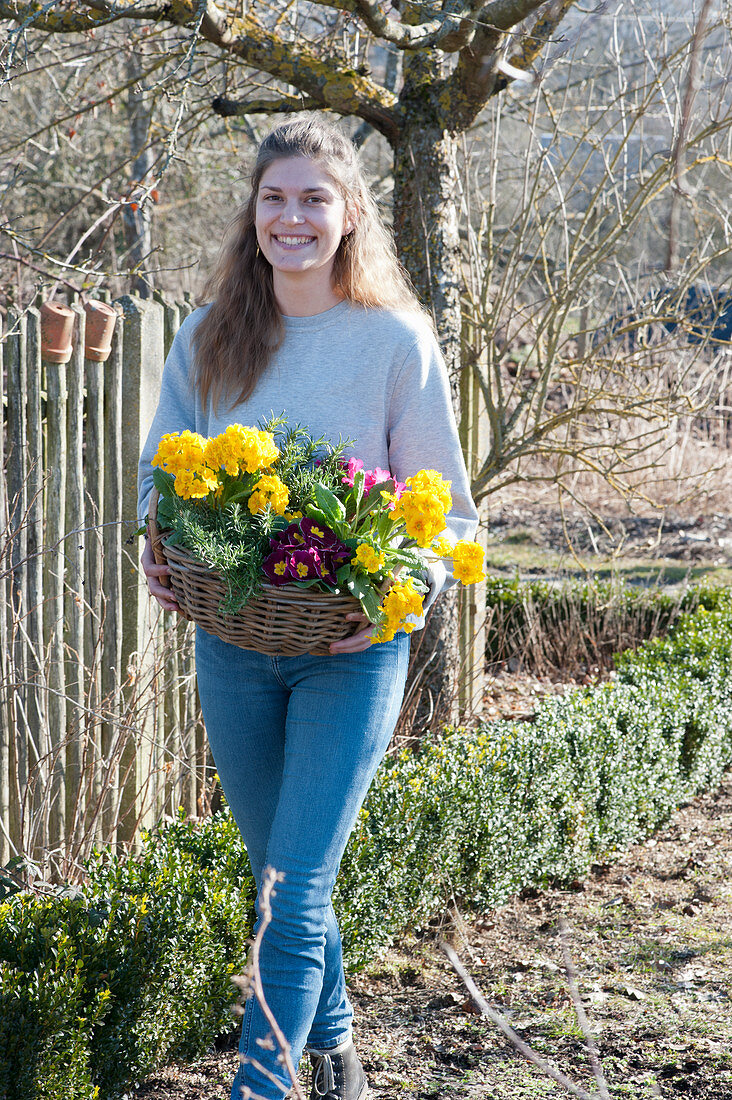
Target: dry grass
{"points": [[688, 473]]}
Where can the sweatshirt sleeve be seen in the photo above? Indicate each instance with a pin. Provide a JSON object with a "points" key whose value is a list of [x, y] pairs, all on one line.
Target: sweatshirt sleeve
{"points": [[176, 409], [423, 435]]}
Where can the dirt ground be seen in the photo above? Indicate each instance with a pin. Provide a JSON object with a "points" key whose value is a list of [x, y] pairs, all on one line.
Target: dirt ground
{"points": [[670, 548], [651, 941]]}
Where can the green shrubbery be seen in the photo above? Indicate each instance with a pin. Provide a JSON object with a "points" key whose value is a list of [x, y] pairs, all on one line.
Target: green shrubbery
{"points": [[576, 625], [98, 988], [479, 815]]}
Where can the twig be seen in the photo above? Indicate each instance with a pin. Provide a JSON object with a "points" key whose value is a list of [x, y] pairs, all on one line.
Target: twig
{"points": [[252, 979], [503, 1025], [592, 1051]]}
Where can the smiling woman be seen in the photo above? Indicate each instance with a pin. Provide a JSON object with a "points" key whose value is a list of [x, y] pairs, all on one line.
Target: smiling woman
{"points": [[310, 314]]}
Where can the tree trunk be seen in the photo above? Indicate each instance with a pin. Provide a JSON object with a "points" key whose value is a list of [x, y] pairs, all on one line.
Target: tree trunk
{"points": [[426, 230], [137, 217]]}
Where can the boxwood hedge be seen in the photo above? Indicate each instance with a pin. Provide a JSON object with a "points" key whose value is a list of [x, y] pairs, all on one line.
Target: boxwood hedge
{"points": [[573, 623], [99, 986]]}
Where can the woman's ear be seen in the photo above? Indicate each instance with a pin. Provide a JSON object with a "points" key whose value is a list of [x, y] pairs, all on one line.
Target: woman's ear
{"points": [[350, 220]]}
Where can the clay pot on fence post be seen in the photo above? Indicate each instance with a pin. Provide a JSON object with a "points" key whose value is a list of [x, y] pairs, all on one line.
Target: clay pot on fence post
{"points": [[57, 326], [100, 321]]}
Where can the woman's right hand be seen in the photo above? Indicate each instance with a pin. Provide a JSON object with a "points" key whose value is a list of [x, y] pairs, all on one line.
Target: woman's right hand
{"points": [[153, 572]]}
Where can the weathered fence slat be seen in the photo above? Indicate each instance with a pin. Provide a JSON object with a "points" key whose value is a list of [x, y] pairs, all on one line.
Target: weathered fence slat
{"points": [[142, 372], [17, 475], [74, 594], [37, 835], [112, 671], [94, 516], [56, 401], [7, 847]]}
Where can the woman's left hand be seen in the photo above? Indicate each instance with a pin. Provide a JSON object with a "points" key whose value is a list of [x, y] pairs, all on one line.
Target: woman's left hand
{"points": [[355, 643]]}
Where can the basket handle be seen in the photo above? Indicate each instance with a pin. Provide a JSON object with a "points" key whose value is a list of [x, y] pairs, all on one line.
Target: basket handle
{"points": [[156, 540]]}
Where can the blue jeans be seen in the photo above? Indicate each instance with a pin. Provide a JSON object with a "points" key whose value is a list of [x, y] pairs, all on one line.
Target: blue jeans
{"points": [[297, 741]]}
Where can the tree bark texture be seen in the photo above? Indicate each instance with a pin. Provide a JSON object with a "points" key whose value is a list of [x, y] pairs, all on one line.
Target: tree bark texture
{"points": [[426, 190]]}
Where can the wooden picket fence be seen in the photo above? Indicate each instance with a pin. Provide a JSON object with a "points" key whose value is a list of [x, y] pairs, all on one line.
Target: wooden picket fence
{"points": [[100, 730]]}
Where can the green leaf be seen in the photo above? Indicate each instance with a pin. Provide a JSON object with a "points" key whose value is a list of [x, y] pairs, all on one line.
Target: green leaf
{"points": [[358, 484], [164, 482], [315, 513], [166, 513], [370, 599], [343, 573], [413, 561], [374, 499], [329, 503]]}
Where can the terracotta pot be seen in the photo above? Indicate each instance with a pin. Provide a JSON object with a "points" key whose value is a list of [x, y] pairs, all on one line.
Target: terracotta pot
{"points": [[57, 326], [100, 322]]}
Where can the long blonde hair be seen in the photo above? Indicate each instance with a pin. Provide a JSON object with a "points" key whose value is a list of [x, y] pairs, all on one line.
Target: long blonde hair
{"points": [[235, 340]]}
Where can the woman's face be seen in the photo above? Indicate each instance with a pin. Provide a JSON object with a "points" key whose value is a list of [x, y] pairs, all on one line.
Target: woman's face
{"points": [[300, 217]]}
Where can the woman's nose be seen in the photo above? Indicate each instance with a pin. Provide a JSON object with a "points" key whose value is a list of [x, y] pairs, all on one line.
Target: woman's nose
{"points": [[292, 214]]}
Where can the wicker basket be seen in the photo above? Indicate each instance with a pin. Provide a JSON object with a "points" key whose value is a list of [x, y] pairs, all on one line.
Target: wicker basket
{"points": [[283, 621]]}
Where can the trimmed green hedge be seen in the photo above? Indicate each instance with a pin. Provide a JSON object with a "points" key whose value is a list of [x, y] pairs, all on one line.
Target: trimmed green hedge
{"points": [[480, 815], [98, 988], [576, 622]]}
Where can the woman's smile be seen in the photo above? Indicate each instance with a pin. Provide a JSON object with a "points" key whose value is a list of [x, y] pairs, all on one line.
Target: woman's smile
{"points": [[293, 242]]}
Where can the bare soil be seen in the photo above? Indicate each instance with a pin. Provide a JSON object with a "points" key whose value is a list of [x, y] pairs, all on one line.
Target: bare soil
{"points": [[684, 535], [651, 940]]}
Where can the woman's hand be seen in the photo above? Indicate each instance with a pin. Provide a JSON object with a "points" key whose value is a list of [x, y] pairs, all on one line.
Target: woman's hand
{"points": [[355, 643], [362, 639], [153, 571]]}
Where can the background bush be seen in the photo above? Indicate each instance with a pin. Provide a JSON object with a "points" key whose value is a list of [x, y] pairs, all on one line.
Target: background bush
{"points": [[571, 627], [100, 986]]}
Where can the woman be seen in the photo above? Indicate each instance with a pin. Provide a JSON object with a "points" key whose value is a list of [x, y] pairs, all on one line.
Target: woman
{"points": [[310, 313]]}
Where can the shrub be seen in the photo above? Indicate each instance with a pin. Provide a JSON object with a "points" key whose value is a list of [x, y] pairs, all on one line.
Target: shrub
{"points": [[479, 815], [574, 626], [98, 988]]}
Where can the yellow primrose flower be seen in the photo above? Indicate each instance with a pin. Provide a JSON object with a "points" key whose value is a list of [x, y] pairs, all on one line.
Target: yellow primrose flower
{"points": [[269, 490], [468, 562], [423, 506], [443, 547], [401, 600], [182, 455], [239, 449], [367, 557]]}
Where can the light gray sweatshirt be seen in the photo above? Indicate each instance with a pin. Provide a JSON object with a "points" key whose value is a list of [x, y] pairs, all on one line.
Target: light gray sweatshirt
{"points": [[370, 375]]}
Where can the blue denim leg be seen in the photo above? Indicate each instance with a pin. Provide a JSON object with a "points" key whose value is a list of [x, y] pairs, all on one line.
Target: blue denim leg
{"points": [[296, 742]]}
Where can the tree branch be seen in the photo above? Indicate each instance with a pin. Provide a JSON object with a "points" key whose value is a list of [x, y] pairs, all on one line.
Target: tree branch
{"points": [[502, 15], [477, 75], [329, 84], [537, 38], [229, 108], [43, 17], [450, 31]]}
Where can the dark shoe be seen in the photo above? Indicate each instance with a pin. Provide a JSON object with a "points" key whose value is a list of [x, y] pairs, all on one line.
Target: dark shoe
{"points": [[338, 1074]]}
